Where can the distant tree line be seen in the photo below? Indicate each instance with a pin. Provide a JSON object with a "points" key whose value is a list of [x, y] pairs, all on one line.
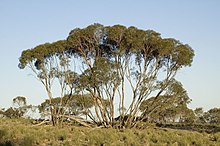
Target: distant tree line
{"points": [[165, 110]]}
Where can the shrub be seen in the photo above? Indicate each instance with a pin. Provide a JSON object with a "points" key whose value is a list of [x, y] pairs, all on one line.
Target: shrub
{"points": [[27, 141], [2, 134]]}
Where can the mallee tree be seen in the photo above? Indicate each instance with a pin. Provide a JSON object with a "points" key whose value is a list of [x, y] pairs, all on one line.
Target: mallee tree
{"points": [[168, 108], [116, 65]]}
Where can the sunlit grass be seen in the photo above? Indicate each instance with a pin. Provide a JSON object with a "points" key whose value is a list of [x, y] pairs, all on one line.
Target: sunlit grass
{"points": [[22, 132]]}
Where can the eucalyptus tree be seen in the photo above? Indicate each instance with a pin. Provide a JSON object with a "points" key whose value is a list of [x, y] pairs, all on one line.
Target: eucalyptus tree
{"points": [[212, 116], [49, 62], [20, 104], [19, 101], [199, 115], [139, 59], [111, 61], [75, 105]]}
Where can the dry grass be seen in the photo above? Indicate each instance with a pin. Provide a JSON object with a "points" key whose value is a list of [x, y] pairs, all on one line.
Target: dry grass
{"points": [[21, 132]]}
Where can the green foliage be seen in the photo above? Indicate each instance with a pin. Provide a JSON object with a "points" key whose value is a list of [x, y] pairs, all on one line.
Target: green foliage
{"points": [[41, 53], [102, 74], [199, 112], [170, 107], [13, 113], [119, 37], [20, 101], [20, 105], [19, 108], [213, 116], [73, 105]]}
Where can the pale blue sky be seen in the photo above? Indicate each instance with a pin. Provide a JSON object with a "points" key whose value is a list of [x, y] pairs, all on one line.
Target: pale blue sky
{"points": [[25, 24]]}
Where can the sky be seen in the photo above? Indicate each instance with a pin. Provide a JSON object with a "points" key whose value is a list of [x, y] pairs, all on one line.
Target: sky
{"points": [[25, 24]]}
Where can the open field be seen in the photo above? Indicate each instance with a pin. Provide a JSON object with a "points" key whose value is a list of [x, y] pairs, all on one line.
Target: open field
{"points": [[14, 132]]}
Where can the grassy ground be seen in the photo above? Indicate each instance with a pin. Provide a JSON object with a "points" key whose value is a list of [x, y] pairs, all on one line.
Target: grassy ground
{"points": [[22, 132]]}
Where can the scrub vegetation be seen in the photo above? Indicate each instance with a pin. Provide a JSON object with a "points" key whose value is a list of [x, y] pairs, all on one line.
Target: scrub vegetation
{"points": [[22, 132]]}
